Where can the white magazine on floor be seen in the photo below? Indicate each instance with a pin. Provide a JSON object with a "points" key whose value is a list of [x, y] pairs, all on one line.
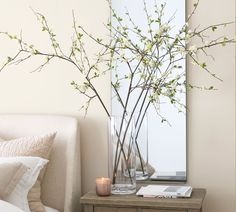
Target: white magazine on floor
{"points": [[165, 191]]}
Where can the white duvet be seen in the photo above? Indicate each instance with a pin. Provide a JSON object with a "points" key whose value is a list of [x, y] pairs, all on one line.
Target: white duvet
{"points": [[7, 207], [48, 209]]}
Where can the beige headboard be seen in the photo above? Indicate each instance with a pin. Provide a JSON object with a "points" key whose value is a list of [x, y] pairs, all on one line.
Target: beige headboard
{"points": [[61, 188]]}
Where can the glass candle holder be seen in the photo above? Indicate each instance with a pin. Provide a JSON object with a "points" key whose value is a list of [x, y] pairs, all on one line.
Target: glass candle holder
{"points": [[103, 186]]}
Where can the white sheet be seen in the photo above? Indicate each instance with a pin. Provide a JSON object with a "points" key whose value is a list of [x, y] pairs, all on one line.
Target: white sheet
{"points": [[48, 209], [7, 207]]}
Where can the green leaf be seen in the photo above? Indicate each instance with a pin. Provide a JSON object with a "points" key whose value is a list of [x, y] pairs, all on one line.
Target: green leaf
{"points": [[9, 59], [149, 46], [226, 39], [163, 120], [190, 86], [214, 28], [211, 88], [99, 40], [79, 35], [203, 65]]}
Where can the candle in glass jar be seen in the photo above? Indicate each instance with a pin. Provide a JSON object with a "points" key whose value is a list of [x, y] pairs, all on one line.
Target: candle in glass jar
{"points": [[103, 186]]}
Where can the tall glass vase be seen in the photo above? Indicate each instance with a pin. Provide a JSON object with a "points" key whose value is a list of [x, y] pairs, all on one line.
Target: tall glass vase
{"points": [[122, 157]]}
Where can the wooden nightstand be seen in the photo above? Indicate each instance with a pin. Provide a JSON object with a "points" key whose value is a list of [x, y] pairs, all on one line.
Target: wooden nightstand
{"points": [[131, 203]]}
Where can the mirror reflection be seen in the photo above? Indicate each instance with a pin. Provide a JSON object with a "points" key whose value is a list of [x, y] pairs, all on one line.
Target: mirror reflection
{"points": [[166, 139]]}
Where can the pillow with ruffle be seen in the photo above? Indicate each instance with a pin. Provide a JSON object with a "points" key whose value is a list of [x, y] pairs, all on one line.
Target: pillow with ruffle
{"points": [[10, 175], [18, 196]]}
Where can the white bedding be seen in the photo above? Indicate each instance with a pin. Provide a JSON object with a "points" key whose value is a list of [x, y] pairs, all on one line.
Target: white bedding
{"points": [[64, 163], [48, 209], [7, 207]]}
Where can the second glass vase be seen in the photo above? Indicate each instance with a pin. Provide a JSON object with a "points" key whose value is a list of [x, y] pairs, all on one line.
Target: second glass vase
{"points": [[141, 146], [122, 157]]}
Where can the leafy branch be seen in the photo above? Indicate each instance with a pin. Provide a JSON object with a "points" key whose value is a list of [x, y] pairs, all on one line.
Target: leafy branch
{"points": [[152, 59]]}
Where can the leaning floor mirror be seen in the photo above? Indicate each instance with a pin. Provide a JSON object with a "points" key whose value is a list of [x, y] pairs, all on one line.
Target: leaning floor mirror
{"points": [[149, 83]]}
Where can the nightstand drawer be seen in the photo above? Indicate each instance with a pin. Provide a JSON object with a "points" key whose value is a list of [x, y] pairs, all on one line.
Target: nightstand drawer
{"points": [[108, 209]]}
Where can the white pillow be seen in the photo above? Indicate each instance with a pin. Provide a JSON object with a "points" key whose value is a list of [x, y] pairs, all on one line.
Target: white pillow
{"points": [[18, 196], [10, 175], [7, 207]]}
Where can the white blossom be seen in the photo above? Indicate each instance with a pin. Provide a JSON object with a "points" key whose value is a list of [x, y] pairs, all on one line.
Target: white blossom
{"points": [[193, 49]]}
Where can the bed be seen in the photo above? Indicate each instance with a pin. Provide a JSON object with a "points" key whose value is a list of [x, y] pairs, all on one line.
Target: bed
{"points": [[61, 186]]}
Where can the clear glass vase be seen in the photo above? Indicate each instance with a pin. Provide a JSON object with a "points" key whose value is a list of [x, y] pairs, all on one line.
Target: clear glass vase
{"points": [[122, 157]]}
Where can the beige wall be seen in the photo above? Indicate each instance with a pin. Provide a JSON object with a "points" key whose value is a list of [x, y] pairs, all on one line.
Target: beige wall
{"points": [[211, 120]]}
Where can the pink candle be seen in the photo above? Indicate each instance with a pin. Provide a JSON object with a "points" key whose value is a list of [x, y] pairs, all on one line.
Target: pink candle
{"points": [[103, 186]]}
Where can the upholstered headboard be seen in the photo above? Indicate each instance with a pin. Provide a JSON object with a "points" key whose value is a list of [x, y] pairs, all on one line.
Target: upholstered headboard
{"points": [[61, 187]]}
